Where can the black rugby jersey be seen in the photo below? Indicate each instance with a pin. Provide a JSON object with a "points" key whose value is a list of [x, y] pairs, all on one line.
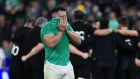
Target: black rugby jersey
{"points": [[85, 31]]}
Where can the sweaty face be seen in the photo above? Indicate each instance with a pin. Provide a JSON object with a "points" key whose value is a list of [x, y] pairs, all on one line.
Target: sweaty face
{"points": [[62, 13]]}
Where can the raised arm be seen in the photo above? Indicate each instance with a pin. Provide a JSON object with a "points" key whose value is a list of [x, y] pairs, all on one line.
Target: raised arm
{"points": [[129, 32], [52, 40], [74, 50], [33, 52]]}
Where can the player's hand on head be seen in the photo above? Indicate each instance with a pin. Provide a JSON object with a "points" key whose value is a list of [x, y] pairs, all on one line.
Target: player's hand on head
{"points": [[85, 55], [62, 25], [23, 58], [66, 22]]}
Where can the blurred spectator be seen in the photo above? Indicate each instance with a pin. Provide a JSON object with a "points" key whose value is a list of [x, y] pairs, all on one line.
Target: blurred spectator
{"points": [[2, 59], [132, 17], [96, 12], [113, 21], [107, 10], [64, 4], [2, 24], [88, 5], [116, 6], [49, 5], [81, 7], [44, 13], [35, 5], [5, 33], [90, 18], [20, 13]]}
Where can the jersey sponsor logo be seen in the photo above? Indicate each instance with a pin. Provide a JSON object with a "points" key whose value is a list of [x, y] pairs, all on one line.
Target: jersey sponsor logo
{"points": [[15, 50], [81, 33]]}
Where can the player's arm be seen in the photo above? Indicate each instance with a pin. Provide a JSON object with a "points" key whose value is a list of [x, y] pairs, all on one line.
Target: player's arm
{"points": [[33, 52], [74, 50], [52, 40], [137, 62], [99, 32], [74, 37], [102, 32], [138, 44], [128, 32]]}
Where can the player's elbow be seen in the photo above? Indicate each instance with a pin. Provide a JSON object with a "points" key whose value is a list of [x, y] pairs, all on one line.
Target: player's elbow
{"points": [[79, 42], [51, 46], [98, 33]]}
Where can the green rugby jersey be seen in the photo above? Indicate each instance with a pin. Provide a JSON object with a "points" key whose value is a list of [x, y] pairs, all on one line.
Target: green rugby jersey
{"points": [[59, 55]]}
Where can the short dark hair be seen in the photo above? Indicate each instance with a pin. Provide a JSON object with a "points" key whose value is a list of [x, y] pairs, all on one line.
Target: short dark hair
{"points": [[123, 21], [137, 25], [57, 9], [31, 20], [104, 23], [96, 20], [78, 15]]}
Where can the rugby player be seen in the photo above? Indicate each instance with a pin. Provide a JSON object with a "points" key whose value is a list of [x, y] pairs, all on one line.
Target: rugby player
{"points": [[55, 36], [104, 52], [126, 66], [16, 47], [79, 54]]}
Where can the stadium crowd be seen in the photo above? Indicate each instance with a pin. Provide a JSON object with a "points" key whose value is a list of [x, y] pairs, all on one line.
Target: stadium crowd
{"points": [[14, 14]]}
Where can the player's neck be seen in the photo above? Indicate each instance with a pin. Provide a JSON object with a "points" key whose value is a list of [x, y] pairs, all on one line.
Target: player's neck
{"points": [[78, 20]]}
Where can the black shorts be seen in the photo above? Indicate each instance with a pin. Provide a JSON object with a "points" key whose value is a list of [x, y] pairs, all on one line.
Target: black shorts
{"points": [[16, 71], [126, 69], [33, 69], [81, 66], [104, 72]]}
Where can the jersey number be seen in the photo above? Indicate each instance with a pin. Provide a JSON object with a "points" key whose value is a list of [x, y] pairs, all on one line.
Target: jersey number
{"points": [[81, 33], [15, 50], [128, 41]]}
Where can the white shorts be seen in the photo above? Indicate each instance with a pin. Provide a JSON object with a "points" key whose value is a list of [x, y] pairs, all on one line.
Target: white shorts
{"points": [[52, 71]]}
